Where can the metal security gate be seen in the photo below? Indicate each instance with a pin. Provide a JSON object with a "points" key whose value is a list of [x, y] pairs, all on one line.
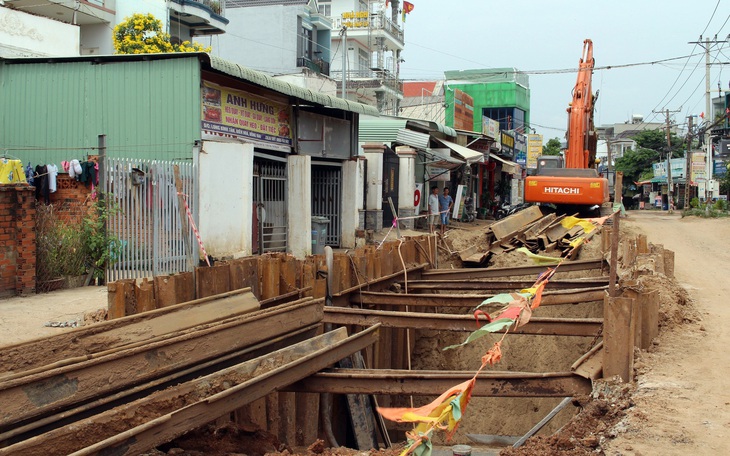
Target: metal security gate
{"points": [[327, 199], [147, 223], [269, 200], [391, 168]]}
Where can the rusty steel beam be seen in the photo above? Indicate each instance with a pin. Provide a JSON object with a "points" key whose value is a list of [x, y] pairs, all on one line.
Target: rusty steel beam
{"points": [[434, 383], [585, 327], [505, 285], [46, 392], [383, 282], [248, 381], [476, 273], [470, 300]]}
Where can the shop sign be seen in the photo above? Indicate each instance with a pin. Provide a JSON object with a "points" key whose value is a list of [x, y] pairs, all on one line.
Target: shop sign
{"points": [[490, 127], [698, 167], [355, 19], [508, 144], [239, 114], [534, 150], [678, 166], [720, 168], [436, 174], [521, 158]]}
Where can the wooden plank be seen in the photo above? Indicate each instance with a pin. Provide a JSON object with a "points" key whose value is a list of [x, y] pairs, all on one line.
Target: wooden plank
{"points": [[129, 296], [165, 291], [288, 275], [145, 296], [307, 419], [273, 417], [669, 263], [642, 244], [184, 287], [244, 274], [510, 225], [270, 272], [115, 303], [649, 317], [618, 338]]}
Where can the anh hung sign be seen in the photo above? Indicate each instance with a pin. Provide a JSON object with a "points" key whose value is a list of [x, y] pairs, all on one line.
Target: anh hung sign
{"points": [[238, 114], [356, 19]]}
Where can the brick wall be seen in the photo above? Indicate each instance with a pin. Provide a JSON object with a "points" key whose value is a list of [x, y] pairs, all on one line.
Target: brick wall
{"points": [[17, 240], [71, 200]]}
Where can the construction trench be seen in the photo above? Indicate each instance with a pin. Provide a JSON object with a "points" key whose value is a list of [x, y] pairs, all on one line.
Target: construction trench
{"points": [[264, 351]]}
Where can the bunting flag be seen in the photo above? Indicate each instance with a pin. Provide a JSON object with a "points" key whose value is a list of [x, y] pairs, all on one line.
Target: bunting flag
{"points": [[407, 8], [386, 3]]}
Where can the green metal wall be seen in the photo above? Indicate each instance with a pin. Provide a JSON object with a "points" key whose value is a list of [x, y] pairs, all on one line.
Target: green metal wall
{"points": [[492, 95], [147, 109]]}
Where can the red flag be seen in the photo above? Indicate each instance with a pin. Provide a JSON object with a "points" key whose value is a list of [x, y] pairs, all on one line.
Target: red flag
{"points": [[386, 3], [407, 7]]}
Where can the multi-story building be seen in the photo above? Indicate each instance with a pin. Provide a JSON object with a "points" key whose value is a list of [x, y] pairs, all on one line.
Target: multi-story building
{"points": [[366, 48], [67, 28], [287, 38], [618, 136]]}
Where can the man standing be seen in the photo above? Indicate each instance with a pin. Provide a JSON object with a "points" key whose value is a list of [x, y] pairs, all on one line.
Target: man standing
{"points": [[445, 205], [433, 208]]}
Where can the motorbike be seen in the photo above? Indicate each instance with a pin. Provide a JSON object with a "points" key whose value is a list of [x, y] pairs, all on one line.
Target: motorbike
{"points": [[507, 209], [469, 213]]}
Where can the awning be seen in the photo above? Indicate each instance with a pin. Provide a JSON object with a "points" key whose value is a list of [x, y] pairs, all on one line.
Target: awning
{"points": [[507, 166], [471, 156], [441, 158]]}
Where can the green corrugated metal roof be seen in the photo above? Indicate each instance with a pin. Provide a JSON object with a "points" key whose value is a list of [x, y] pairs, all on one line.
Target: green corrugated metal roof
{"points": [[385, 128], [256, 77], [379, 129]]}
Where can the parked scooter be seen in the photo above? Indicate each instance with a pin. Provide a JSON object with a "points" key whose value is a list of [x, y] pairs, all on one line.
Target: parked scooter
{"points": [[506, 210], [469, 212]]}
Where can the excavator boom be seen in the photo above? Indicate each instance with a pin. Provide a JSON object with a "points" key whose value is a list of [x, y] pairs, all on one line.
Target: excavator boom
{"points": [[577, 183]]}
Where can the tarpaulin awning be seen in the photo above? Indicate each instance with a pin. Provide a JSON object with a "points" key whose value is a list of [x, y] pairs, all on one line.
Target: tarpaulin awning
{"points": [[441, 158], [471, 156], [507, 166]]}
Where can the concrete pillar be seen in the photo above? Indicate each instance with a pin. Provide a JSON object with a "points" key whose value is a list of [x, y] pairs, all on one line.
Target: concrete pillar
{"points": [[374, 204], [406, 185], [225, 185], [351, 202], [299, 205]]}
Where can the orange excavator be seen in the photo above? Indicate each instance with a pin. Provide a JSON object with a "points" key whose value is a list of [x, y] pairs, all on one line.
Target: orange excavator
{"points": [[573, 181]]}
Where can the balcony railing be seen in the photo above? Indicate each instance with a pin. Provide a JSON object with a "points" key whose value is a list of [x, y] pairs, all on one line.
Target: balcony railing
{"points": [[316, 65], [370, 79], [380, 21], [217, 6]]}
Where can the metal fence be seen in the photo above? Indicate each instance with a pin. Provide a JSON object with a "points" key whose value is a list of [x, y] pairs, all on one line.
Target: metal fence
{"points": [[327, 199], [147, 225], [269, 198]]}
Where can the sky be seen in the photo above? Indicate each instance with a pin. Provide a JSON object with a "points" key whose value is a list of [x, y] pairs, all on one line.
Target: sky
{"points": [[535, 35]]}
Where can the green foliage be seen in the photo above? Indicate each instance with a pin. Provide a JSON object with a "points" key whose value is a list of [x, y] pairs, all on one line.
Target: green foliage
{"points": [[657, 140], [59, 246], [552, 147], [720, 205], [101, 247], [143, 34], [694, 202], [702, 212], [636, 164]]}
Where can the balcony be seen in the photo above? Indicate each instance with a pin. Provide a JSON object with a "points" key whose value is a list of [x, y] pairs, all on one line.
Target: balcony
{"points": [[377, 24], [371, 79], [88, 13], [203, 17], [319, 66]]}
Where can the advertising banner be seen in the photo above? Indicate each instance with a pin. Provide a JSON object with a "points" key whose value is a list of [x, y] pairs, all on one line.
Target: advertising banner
{"points": [[534, 150], [238, 114], [678, 166], [521, 149], [490, 128], [698, 168]]}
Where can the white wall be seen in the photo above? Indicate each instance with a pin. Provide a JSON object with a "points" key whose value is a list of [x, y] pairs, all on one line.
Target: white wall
{"points": [[262, 38], [316, 83], [25, 35], [351, 201], [96, 40], [225, 180], [299, 205], [157, 8], [375, 181]]}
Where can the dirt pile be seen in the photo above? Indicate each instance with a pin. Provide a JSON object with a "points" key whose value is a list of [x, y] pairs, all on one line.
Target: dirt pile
{"points": [[595, 422]]}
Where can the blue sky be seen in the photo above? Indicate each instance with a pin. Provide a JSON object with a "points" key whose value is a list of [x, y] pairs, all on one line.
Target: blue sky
{"points": [[533, 35]]}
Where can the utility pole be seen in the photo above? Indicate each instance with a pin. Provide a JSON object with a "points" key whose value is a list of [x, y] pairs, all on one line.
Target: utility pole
{"points": [[343, 34], [670, 185], [688, 165], [707, 45]]}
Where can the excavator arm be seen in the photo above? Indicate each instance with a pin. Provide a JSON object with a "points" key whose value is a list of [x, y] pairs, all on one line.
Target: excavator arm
{"points": [[577, 183]]}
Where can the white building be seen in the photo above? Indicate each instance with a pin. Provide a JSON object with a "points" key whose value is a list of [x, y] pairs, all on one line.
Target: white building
{"points": [[69, 28]]}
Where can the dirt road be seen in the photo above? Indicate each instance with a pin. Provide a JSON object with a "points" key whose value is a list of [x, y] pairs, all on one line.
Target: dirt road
{"points": [[683, 392]]}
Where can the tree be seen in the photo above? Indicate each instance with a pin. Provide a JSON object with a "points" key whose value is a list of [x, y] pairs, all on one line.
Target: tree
{"points": [[553, 147], [637, 164], [142, 34], [657, 140]]}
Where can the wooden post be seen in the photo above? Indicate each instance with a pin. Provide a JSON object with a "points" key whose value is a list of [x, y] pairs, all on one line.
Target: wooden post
{"points": [[642, 244], [649, 317], [614, 255], [669, 263], [145, 295], [115, 303], [618, 338], [270, 272]]}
